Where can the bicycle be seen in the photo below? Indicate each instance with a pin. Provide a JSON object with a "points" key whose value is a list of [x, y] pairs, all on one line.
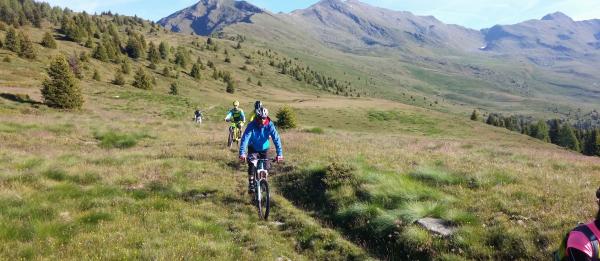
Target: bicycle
{"points": [[261, 197], [235, 134]]}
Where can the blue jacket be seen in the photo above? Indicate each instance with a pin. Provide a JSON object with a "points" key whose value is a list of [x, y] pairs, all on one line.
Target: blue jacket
{"points": [[257, 135]]}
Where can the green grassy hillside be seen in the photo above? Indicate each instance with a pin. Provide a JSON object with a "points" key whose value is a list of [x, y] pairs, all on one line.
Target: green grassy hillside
{"points": [[130, 176]]}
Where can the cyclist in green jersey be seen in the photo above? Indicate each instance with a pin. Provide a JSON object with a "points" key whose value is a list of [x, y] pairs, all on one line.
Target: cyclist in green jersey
{"points": [[236, 115]]}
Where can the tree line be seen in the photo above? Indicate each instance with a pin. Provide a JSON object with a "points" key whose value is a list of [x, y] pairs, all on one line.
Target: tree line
{"points": [[585, 140]]}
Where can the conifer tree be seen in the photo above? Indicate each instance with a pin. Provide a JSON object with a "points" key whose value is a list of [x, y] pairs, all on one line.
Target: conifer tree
{"points": [[163, 49], [60, 90], [12, 41], [567, 138], [286, 118], [153, 54], [134, 48], [26, 50], [48, 41], [591, 146], [100, 53], [195, 73], [142, 80], [541, 131]]}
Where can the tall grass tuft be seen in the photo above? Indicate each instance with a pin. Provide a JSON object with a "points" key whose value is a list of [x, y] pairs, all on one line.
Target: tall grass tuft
{"points": [[113, 139]]}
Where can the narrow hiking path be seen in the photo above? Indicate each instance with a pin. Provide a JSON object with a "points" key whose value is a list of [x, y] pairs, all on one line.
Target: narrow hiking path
{"points": [[105, 184]]}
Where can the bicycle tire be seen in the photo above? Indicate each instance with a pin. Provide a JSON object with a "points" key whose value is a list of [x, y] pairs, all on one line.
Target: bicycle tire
{"points": [[230, 138], [263, 204]]}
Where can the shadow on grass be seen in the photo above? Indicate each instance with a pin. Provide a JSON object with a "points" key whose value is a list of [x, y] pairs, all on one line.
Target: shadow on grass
{"points": [[20, 98]]}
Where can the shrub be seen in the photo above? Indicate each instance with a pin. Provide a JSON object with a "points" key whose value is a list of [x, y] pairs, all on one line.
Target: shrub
{"points": [[315, 130], [48, 41], [96, 76], [119, 79], [61, 89], [174, 89], [230, 87], [475, 115], [142, 80], [286, 118]]}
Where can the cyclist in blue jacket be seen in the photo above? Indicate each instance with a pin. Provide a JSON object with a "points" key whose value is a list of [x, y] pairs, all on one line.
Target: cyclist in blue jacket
{"points": [[255, 142]]}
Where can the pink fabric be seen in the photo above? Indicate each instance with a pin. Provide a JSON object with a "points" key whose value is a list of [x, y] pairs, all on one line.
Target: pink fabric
{"points": [[579, 241]]}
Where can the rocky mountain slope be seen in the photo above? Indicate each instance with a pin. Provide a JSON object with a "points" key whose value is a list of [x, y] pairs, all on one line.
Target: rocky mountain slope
{"points": [[208, 16]]}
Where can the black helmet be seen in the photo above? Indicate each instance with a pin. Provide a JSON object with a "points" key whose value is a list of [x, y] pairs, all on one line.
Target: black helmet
{"points": [[257, 105], [262, 113]]}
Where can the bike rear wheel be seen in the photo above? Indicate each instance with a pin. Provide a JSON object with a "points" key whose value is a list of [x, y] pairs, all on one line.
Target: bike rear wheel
{"points": [[263, 202]]}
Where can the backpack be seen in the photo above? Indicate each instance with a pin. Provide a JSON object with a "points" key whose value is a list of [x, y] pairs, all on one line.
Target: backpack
{"points": [[561, 253]]}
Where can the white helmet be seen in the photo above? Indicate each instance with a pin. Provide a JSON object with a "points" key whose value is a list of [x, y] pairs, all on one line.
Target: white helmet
{"points": [[262, 112]]}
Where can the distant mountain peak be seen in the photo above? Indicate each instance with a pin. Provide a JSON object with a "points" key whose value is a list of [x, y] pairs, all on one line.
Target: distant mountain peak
{"points": [[556, 16], [209, 16]]}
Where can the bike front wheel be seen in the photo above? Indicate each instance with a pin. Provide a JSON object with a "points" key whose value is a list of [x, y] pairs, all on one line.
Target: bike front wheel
{"points": [[230, 138], [263, 202]]}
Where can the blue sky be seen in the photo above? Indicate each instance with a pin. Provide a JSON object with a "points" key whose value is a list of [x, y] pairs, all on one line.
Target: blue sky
{"points": [[475, 14]]}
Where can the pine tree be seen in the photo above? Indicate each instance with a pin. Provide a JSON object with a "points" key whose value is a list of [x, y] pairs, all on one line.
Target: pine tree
{"points": [[286, 118], [163, 49], [591, 143], [26, 49], [567, 138], [119, 79], [48, 41], [195, 73], [134, 48], [174, 90], [541, 131], [142, 80], [227, 59], [554, 126], [475, 115], [100, 53], [12, 41], [89, 43], [153, 54], [96, 76], [60, 90], [182, 57]]}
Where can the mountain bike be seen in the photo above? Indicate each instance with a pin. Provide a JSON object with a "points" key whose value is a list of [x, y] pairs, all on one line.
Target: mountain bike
{"points": [[234, 133], [261, 197]]}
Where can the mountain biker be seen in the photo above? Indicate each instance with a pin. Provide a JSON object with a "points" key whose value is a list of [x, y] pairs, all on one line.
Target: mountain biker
{"points": [[257, 105], [582, 242], [236, 115], [256, 140], [198, 116]]}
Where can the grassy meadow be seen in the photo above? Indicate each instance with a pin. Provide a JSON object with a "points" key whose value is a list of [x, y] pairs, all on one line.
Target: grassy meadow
{"points": [[130, 176]]}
